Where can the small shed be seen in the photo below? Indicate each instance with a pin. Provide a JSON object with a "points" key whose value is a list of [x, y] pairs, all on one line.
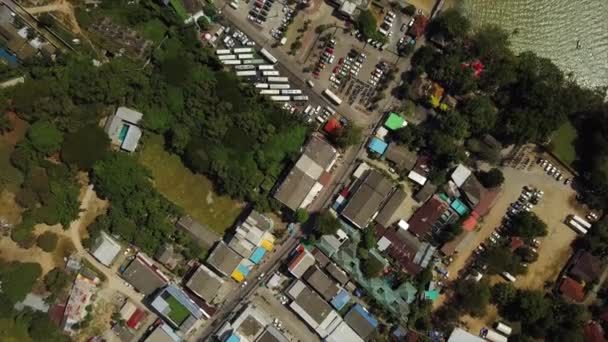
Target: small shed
{"points": [[395, 121], [377, 146]]}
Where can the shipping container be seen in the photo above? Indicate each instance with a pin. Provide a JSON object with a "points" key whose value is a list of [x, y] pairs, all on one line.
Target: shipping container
{"points": [[231, 62], [577, 227], [280, 98], [270, 73], [503, 328], [225, 57], [508, 276], [243, 50], [495, 336], [279, 86], [268, 56], [245, 56], [246, 73], [253, 61], [266, 67], [335, 99], [301, 98], [291, 92], [261, 85], [222, 51], [270, 92], [278, 79], [244, 67], [582, 221]]}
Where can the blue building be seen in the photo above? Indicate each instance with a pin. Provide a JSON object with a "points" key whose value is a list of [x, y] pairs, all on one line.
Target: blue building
{"points": [[377, 146]]}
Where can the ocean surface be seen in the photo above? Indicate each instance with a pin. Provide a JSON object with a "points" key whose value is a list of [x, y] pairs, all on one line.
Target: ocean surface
{"points": [[551, 28]]}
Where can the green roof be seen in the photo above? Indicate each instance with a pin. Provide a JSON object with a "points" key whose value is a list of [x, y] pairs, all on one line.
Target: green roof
{"points": [[394, 121]]}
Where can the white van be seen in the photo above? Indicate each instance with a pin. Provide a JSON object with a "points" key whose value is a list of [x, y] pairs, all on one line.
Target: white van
{"points": [[508, 276]]}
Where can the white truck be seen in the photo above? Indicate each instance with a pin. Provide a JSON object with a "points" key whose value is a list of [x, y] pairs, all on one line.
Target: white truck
{"points": [[495, 336]]}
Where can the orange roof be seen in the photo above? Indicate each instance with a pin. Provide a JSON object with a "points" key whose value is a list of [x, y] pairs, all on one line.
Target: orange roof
{"points": [[471, 222], [437, 90], [332, 126], [572, 289]]}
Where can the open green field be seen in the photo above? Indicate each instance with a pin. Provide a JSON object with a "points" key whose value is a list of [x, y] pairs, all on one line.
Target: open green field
{"points": [[179, 9], [178, 312], [153, 30], [562, 144], [193, 192], [10, 177]]}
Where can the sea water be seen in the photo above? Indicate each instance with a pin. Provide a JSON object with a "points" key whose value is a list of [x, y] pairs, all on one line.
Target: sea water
{"points": [[552, 29]]}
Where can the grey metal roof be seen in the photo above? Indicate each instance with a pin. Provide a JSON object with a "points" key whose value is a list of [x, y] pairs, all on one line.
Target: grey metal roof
{"points": [[205, 283], [320, 151], [294, 188], [142, 277], [386, 215], [223, 259]]}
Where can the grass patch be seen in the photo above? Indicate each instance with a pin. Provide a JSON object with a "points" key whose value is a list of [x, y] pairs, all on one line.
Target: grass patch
{"points": [[94, 268], [153, 30], [193, 192], [178, 312], [562, 144], [179, 9]]}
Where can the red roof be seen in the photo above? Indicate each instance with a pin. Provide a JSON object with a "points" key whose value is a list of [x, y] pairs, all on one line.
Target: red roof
{"points": [[332, 126], [400, 249], [593, 332], [136, 318], [56, 314], [516, 243], [421, 223], [471, 222], [572, 289], [486, 201], [419, 27], [325, 178]]}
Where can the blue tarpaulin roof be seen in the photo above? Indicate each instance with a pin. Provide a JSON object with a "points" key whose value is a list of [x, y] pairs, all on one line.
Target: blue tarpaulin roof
{"points": [[341, 299], [378, 146], [233, 338], [257, 255], [460, 207], [243, 269]]}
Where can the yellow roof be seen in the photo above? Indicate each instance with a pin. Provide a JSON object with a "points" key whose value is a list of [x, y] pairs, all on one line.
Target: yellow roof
{"points": [[267, 245], [238, 276]]}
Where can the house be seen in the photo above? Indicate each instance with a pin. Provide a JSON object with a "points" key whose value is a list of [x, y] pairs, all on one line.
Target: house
{"points": [[348, 9], [177, 309], [123, 129], [459, 335], [166, 255], [361, 321], [405, 248], [105, 249], [81, 295], [425, 192], [320, 257], [205, 283], [427, 218], [321, 282], [585, 267], [460, 175], [144, 276], [421, 88], [337, 273], [312, 309], [163, 333], [420, 171], [367, 199], [330, 244], [252, 238], [223, 259], [377, 146], [388, 214], [572, 289], [301, 262], [310, 174], [250, 324], [394, 122], [201, 233], [343, 333], [593, 332], [132, 315], [472, 190], [401, 157]]}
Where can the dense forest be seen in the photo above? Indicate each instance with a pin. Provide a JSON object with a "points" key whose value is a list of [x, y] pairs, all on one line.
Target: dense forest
{"points": [[219, 126]]}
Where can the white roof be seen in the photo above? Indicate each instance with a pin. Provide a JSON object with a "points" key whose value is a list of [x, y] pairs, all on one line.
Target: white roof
{"points": [[460, 175], [132, 139], [107, 250], [416, 177], [129, 115], [309, 167], [403, 225], [360, 170], [343, 333], [381, 132], [383, 244], [459, 335]]}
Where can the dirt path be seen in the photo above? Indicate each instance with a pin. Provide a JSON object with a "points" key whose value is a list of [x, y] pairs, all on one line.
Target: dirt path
{"points": [[62, 6]]}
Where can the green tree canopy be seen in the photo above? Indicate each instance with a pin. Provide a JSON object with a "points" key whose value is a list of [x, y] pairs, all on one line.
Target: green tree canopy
{"points": [[45, 137], [503, 294], [492, 178], [472, 297], [327, 223], [451, 24], [47, 241], [18, 279], [367, 24], [56, 280], [481, 114], [85, 146], [527, 225], [302, 215]]}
